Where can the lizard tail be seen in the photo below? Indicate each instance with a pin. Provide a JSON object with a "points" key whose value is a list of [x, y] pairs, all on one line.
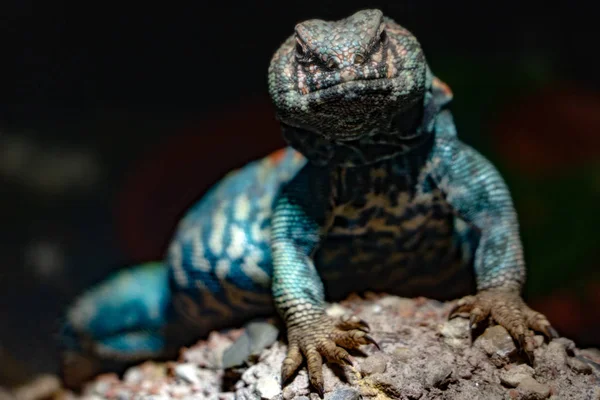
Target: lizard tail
{"points": [[119, 321]]}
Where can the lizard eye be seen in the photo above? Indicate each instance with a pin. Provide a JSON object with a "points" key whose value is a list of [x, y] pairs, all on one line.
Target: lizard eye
{"points": [[300, 53], [383, 37], [359, 59]]}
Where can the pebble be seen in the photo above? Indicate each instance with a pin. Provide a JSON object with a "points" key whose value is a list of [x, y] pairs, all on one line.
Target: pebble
{"points": [[262, 335], [187, 372], [179, 391], [246, 394], [133, 375], [268, 387], [455, 328], [345, 394], [579, 365], [396, 387], [531, 389], [516, 374], [413, 390], [456, 332], [403, 354], [290, 393], [497, 343], [376, 363], [465, 373], [555, 356], [438, 374], [236, 354], [336, 310], [567, 344]]}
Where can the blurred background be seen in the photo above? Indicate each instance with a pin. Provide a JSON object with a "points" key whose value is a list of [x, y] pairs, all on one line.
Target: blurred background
{"points": [[113, 120]]}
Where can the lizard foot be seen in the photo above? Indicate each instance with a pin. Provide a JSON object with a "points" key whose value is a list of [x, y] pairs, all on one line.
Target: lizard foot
{"points": [[323, 337], [507, 308]]}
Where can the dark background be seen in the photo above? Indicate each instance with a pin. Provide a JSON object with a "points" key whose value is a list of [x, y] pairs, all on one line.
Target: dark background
{"points": [[114, 119]]}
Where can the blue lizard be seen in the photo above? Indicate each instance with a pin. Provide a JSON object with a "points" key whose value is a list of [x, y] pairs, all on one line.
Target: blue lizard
{"points": [[374, 192]]}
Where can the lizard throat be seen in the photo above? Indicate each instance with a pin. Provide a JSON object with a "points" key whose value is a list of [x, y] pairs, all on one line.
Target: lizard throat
{"points": [[406, 131]]}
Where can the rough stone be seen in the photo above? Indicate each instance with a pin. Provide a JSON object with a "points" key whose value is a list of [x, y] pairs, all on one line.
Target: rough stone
{"points": [[438, 375], [395, 386], [403, 354], [497, 343], [516, 374], [456, 331], [268, 387], [373, 364], [345, 394], [417, 362], [554, 359], [533, 390], [579, 365], [187, 372]]}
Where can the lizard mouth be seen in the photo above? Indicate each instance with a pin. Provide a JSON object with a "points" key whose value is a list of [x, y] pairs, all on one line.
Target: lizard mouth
{"points": [[363, 85]]}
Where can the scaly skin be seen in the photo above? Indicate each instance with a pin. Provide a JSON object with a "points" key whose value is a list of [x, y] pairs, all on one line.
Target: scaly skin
{"points": [[375, 192]]}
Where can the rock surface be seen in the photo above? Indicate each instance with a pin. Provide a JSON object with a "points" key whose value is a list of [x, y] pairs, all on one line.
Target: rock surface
{"points": [[424, 356]]}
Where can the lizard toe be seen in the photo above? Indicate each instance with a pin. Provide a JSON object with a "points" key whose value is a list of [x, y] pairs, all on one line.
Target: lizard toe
{"points": [[350, 321], [314, 364], [291, 363], [352, 339], [334, 353], [323, 338], [538, 322], [507, 309]]}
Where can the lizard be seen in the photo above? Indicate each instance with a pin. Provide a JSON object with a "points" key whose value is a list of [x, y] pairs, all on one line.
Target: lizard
{"points": [[373, 192]]}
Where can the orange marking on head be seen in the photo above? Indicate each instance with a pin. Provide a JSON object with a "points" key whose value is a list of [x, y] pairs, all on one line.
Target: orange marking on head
{"points": [[441, 86], [276, 156], [298, 156]]}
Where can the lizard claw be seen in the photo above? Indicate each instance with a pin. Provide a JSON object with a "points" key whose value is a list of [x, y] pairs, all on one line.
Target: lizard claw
{"points": [[347, 361], [372, 341], [320, 390], [364, 327], [348, 322], [472, 321], [526, 348], [549, 332]]}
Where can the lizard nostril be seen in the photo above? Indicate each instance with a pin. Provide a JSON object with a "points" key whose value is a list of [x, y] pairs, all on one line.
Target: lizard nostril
{"points": [[331, 63], [359, 59]]}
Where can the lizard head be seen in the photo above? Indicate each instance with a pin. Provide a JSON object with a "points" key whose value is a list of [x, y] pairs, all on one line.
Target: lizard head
{"points": [[348, 79]]}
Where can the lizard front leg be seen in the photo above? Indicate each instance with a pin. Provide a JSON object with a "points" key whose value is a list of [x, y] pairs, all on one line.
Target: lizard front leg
{"points": [[301, 218], [479, 195]]}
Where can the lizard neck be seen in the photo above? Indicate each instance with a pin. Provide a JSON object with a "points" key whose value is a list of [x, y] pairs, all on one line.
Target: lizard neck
{"points": [[357, 183]]}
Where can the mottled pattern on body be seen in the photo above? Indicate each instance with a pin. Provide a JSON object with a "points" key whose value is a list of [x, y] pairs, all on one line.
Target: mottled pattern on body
{"points": [[374, 193], [220, 259]]}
